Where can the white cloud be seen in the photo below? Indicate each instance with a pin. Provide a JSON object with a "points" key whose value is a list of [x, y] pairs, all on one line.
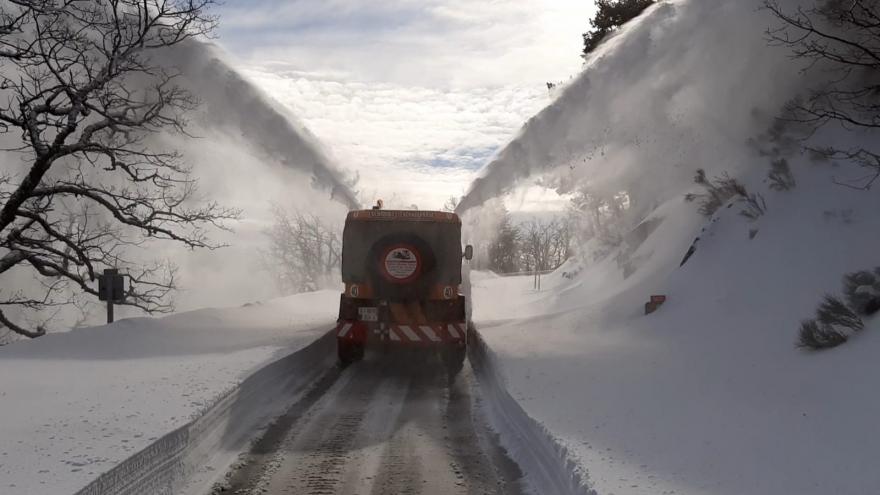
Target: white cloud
{"points": [[413, 94], [433, 43]]}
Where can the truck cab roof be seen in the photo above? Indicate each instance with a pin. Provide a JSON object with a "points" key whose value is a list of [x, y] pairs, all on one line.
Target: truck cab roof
{"points": [[402, 216]]}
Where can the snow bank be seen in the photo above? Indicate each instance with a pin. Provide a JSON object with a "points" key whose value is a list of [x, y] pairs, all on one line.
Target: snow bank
{"points": [[76, 404], [547, 466], [709, 395]]}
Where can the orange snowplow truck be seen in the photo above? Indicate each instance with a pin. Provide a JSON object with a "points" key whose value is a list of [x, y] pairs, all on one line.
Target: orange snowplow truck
{"points": [[402, 274]]}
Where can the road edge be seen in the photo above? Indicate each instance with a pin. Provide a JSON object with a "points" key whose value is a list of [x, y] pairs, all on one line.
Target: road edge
{"points": [[548, 466], [176, 463]]}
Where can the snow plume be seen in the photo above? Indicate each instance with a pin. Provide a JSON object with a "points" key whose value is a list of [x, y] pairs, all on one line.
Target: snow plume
{"points": [[249, 153], [684, 86], [234, 105], [245, 152]]}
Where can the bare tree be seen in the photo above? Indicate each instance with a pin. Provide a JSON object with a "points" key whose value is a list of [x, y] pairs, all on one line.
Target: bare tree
{"points": [[304, 252], [842, 36], [603, 217], [545, 244], [81, 90]]}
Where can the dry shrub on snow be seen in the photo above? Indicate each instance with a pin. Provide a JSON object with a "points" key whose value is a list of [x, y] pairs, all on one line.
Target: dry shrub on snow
{"points": [[834, 312], [814, 335], [862, 291], [720, 190], [781, 178], [833, 325]]}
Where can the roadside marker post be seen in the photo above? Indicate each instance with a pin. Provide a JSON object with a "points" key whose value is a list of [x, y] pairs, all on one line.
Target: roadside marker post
{"points": [[111, 288]]}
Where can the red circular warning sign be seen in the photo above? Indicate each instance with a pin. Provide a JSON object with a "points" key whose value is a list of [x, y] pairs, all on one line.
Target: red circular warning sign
{"points": [[400, 263]]}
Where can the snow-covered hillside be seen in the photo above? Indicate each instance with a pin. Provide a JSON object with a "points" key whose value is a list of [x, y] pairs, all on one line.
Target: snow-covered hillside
{"points": [[76, 404], [710, 394]]}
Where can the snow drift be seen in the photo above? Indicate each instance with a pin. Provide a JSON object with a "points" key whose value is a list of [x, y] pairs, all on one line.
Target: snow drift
{"points": [[710, 395], [165, 400]]}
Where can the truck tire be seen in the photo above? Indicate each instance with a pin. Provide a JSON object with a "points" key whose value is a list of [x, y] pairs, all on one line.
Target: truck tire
{"points": [[349, 352], [453, 360]]}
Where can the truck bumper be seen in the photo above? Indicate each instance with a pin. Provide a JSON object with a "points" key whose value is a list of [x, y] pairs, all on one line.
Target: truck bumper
{"points": [[447, 334]]}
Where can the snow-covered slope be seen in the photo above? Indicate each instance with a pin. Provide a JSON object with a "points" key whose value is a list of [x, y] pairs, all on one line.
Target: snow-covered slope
{"points": [[75, 404], [709, 395]]}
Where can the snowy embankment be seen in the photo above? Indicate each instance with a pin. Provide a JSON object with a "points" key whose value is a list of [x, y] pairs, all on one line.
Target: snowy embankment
{"points": [[76, 404], [710, 394]]}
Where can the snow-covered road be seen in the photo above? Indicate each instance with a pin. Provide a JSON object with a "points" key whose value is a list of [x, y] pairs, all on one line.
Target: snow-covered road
{"points": [[381, 426]]}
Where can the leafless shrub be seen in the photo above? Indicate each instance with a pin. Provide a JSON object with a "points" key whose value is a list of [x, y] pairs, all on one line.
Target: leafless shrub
{"points": [[780, 176], [720, 190], [833, 312], [813, 335], [755, 206], [304, 252], [862, 291]]}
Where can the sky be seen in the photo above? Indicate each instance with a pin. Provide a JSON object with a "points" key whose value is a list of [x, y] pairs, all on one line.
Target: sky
{"points": [[413, 95]]}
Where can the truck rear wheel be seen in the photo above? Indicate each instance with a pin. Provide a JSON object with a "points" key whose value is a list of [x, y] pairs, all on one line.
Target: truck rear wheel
{"points": [[453, 360], [349, 352]]}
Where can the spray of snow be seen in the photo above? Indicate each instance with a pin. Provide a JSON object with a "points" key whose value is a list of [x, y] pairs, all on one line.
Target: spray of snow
{"points": [[709, 395], [234, 105], [250, 153], [247, 152], [682, 87]]}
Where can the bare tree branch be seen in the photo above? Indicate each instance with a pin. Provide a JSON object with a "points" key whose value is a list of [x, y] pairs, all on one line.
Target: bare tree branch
{"points": [[81, 86], [304, 252], [842, 37]]}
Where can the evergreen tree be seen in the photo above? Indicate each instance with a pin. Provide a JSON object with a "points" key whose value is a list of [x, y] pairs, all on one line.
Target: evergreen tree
{"points": [[504, 252], [610, 15]]}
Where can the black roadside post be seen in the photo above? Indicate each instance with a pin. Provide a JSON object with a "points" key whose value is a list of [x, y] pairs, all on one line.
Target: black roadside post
{"points": [[111, 288]]}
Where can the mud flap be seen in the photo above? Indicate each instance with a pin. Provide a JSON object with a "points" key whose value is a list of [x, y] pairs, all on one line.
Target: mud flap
{"points": [[351, 340]]}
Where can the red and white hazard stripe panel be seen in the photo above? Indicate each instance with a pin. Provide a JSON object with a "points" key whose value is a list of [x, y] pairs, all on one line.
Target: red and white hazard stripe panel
{"points": [[343, 330], [427, 334], [415, 334]]}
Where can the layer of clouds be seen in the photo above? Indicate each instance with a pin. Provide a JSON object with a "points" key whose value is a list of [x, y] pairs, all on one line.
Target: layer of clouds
{"points": [[422, 144], [414, 95], [433, 43]]}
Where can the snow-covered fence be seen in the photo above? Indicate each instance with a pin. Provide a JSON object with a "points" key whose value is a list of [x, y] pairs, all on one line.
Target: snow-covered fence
{"points": [[189, 458]]}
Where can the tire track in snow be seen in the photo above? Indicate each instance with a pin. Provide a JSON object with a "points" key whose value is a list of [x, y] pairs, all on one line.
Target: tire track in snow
{"points": [[387, 427]]}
